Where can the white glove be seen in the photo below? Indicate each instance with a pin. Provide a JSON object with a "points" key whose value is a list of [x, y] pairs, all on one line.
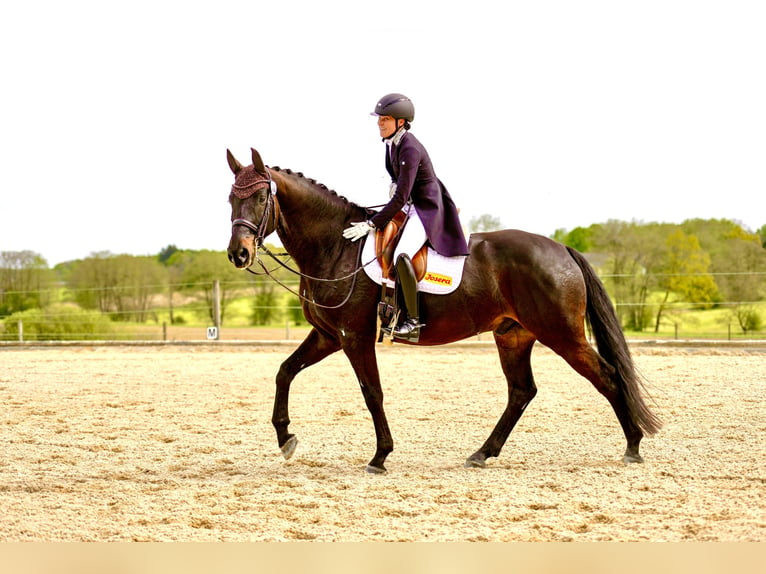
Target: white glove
{"points": [[357, 230], [391, 190]]}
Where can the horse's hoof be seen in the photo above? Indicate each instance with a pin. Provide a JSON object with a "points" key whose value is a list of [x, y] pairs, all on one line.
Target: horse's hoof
{"points": [[632, 457], [475, 463], [289, 447], [375, 469]]}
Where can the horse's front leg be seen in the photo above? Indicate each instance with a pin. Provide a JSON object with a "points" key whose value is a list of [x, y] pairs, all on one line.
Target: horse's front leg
{"points": [[360, 351], [315, 347]]}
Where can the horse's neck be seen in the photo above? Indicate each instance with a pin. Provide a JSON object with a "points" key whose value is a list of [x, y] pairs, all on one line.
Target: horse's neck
{"points": [[305, 233]]}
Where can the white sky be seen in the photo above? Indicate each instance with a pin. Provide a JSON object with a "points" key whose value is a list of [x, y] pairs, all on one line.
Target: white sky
{"points": [[115, 117]]}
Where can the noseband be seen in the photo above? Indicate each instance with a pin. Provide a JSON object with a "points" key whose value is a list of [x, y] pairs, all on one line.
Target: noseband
{"points": [[245, 191]]}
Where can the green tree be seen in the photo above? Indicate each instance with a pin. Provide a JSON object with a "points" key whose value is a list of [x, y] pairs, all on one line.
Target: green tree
{"points": [[295, 310], [580, 238], [714, 236], [166, 253], [268, 305], [92, 280], [485, 222], [684, 272], [738, 263], [632, 251], [141, 278], [167, 257], [122, 285], [25, 281], [645, 260], [198, 271], [762, 234], [745, 283], [264, 309]]}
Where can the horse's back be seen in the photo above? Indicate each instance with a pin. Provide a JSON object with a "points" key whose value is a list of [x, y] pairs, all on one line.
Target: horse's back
{"points": [[521, 252], [527, 277]]}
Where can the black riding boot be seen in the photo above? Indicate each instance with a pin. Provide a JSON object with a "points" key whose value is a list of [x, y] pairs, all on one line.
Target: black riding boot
{"points": [[405, 273]]}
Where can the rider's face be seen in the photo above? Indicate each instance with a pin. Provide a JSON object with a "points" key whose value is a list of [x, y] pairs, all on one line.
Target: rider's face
{"points": [[386, 126]]}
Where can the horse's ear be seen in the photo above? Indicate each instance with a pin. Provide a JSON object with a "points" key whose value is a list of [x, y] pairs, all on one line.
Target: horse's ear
{"points": [[234, 165], [258, 162]]}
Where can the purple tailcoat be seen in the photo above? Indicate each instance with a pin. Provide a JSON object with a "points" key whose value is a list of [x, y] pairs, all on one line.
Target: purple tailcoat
{"points": [[410, 168]]}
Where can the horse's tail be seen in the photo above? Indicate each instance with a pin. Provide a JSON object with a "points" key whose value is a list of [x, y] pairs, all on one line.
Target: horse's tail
{"points": [[612, 346]]}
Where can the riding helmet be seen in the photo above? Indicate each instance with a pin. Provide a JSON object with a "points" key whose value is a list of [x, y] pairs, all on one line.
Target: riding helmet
{"points": [[398, 106]]}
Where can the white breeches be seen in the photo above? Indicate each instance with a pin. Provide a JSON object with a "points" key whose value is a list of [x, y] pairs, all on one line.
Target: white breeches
{"points": [[413, 236]]}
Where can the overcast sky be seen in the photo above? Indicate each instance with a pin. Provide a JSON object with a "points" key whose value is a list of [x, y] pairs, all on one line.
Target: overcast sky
{"points": [[115, 117]]}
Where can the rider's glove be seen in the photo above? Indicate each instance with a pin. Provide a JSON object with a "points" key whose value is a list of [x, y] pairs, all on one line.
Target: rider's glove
{"points": [[358, 230]]}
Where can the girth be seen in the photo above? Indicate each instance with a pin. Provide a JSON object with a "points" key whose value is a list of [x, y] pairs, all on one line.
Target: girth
{"points": [[386, 240]]}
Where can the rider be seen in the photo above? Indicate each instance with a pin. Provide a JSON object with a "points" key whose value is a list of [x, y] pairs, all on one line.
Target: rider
{"points": [[414, 189]]}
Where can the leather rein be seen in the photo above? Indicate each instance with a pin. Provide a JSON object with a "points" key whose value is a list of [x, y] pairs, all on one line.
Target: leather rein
{"points": [[260, 230]]}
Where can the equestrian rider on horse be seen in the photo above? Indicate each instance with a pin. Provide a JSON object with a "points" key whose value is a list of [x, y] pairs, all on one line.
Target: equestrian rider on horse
{"points": [[431, 214]]}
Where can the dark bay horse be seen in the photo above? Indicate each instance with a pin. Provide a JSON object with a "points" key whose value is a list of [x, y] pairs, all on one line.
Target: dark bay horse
{"points": [[522, 287]]}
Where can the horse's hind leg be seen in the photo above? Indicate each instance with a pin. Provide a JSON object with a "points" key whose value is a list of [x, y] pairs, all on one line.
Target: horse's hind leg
{"points": [[588, 363], [515, 349], [314, 348]]}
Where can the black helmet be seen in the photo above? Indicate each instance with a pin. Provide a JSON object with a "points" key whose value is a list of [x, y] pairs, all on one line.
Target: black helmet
{"points": [[397, 106]]}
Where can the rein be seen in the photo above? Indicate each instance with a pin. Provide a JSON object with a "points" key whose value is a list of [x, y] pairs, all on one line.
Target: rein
{"points": [[353, 275], [272, 206]]}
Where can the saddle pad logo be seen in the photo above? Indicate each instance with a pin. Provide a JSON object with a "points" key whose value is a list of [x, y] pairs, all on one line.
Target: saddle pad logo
{"points": [[437, 278]]}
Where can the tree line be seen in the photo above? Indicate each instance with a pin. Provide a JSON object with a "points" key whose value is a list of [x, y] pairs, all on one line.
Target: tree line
{"points": [[649, 270], [649, 267], [131, 288]]}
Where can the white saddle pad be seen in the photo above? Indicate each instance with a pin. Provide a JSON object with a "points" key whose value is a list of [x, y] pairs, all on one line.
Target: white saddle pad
{"points": [[443, 274]]}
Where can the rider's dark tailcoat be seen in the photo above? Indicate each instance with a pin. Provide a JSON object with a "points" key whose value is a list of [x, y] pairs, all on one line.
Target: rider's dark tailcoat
{"points": [[410, 168]]}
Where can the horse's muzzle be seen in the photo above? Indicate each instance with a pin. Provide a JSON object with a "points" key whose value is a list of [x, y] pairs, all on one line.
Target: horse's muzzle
{"points": [[240, 259], [241, 250]]}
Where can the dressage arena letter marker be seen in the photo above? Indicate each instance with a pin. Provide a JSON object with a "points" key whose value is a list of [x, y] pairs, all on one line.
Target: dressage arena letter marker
{"points": [[212, 333]]}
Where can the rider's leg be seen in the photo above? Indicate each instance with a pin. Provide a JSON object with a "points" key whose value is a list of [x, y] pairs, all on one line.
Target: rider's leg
{"points": [[412, 239], [405, 273], [413, 236]]}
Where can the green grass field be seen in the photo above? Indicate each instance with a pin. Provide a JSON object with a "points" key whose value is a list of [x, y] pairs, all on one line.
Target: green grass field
{"points": [[681, 324], [192, 320]]}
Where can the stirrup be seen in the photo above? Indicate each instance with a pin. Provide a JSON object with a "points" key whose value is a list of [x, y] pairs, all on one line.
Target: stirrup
{"points": [[388, 329], [409, 330]]}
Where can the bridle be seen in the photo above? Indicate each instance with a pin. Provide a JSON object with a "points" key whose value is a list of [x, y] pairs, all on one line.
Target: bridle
{"points": [[271, 210], [243, 192]]}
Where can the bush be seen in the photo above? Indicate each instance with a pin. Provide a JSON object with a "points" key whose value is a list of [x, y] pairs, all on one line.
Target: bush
{"points": [[748, 318], [58, 323]]}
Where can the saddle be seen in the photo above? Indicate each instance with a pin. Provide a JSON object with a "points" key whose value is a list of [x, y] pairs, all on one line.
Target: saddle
{"points": [[386, 240]]}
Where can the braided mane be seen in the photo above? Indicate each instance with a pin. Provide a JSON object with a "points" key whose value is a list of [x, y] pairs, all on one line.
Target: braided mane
{"points": [[326, 193], [314, 183]]}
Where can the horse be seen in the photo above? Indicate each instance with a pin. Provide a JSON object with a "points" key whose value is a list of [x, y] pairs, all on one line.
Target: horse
{"points": [[520, 286]]}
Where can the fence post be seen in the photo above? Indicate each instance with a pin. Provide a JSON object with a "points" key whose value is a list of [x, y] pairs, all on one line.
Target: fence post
{"points": [[217, 307], [21, 331], [164, 331]]}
